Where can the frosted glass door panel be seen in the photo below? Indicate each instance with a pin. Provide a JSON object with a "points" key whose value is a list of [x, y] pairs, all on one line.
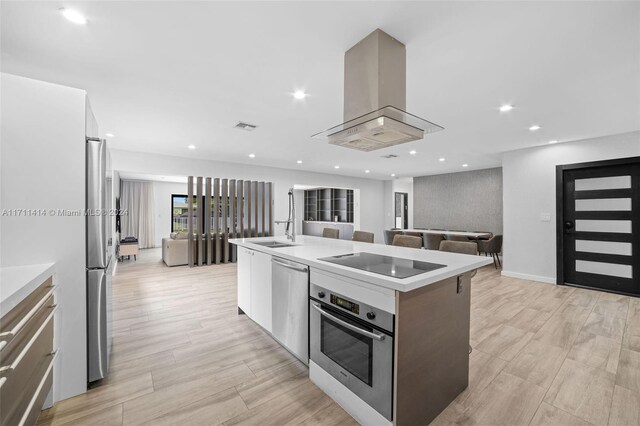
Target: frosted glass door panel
{"points": [[604, 204], [611, 182], [617, 226], [604, 247], [601, 268]]}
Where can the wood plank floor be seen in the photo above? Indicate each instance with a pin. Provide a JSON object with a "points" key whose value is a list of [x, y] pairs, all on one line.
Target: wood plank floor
{"points": [[542, 355]]}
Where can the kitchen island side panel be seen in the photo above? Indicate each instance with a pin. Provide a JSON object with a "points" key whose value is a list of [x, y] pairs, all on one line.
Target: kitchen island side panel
{"points": [[431, 366]]}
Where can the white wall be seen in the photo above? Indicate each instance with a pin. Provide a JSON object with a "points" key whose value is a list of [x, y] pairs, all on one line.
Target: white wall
{"points": [[43, 167], [529, 179], [162, 192], [371, 191], [391, 187]]}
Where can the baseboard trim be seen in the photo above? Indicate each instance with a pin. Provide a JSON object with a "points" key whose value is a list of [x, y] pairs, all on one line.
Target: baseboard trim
{"points": [[538, 278]]}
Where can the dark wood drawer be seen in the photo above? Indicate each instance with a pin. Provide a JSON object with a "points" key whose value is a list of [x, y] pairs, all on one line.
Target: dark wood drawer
{"points": [[24, 368], [13, 321], [34, 401], [15, 345], [26, 359]]}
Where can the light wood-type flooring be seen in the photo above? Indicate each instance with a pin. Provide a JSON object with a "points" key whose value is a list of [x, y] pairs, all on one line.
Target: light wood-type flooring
{"points": [[542, 354]]}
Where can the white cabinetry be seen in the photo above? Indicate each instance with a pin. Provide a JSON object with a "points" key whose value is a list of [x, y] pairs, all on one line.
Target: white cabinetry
{"points": [[254, 286], [244, 279], [261, 289]]}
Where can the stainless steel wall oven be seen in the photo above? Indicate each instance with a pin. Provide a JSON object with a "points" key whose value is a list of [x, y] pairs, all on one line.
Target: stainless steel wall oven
{"points": [[353, 342]]}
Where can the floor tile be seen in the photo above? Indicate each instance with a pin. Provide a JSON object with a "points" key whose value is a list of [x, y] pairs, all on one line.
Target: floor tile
{"points": [[505, 342], [629, 370], [583, 391], [508, 400], [537, 363], [548, 415], [625, 409], [596, 351]]}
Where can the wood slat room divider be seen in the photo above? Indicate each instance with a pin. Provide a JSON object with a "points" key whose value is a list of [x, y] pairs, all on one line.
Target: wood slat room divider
{"points": [[232, 209]]}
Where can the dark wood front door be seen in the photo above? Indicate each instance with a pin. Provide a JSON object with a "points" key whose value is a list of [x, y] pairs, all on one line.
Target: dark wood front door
{"points": [[599, 225]]}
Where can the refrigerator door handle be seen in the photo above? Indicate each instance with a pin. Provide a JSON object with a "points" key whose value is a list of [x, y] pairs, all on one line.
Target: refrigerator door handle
{"points": [[96, 158], [98, 327]]}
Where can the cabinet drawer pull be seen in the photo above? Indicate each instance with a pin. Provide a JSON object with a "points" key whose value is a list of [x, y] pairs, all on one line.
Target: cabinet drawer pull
{"points": [[15, 330], [34, 398], [24, 351]]}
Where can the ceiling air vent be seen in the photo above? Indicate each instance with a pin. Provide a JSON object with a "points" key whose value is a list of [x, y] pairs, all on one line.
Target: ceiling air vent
{"points": [[245, 126], [388, 156]]}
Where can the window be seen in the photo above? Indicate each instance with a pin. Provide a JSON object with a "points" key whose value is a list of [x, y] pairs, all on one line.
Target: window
{"points": [[180, 213]]}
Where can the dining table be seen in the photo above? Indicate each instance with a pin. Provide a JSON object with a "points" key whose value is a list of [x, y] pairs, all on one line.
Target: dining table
{"points": [[468, 234]]}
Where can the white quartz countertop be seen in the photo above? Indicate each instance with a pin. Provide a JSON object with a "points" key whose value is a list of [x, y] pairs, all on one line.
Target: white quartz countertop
{"points": [[308, 250], [17, 282]]}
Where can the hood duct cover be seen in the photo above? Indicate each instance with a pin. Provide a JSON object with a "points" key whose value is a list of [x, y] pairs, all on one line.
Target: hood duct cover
{"points": [[375, 98]]}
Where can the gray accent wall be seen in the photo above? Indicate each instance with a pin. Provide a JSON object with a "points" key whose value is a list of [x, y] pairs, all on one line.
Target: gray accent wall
{"points": [[470, 201]]}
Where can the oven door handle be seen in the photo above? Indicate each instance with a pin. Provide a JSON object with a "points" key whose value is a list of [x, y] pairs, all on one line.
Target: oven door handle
{"points": [[377, 336]]}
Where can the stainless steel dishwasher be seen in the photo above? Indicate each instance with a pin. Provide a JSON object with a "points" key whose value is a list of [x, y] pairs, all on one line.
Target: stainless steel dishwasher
{"points": [[290, 293]]}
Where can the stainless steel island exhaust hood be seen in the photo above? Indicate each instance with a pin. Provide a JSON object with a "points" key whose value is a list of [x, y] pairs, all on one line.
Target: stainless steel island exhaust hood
{"points": [[375, 98]]}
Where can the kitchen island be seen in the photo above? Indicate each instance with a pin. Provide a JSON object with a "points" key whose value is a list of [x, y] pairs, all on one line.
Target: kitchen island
{"points": [[388, 327]]}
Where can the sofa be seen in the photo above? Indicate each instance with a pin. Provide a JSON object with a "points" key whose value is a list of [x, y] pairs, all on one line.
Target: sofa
{"points": [[175, 249]]}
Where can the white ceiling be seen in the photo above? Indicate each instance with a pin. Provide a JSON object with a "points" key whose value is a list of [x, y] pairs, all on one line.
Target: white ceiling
{"points": [[163, 75]]}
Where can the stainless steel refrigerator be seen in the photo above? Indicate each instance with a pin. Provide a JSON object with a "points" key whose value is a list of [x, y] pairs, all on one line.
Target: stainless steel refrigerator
{"points": [[99, 261]]}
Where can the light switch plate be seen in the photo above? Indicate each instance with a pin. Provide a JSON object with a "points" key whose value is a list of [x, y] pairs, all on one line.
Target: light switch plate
{"points": [[545, 217]]}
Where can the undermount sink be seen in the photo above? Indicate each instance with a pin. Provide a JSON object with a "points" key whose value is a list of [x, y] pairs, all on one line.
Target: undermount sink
{"points": [[273, 244]]}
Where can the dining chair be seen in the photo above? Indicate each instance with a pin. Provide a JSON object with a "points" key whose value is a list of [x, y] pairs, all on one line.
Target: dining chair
{"points": [[432, 241], [389, 234], [362, 236], [407, 241], [414, 234], [492, 246], [461, 247], [331, 233]]}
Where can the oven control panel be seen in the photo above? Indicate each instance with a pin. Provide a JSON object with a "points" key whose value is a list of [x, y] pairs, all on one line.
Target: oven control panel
{"points": [[352, 307], [363, 311]]}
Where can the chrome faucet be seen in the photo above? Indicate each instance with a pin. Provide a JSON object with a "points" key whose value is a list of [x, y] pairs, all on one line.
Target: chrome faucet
{"points": [[290, 230]]}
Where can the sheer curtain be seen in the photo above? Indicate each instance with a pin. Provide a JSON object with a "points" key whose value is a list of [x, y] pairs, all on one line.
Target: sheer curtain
{"points": [[139, 202]]}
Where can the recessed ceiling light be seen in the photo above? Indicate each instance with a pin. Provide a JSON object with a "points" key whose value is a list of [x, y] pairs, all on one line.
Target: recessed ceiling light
{"points": [[109, 135], [441, 159], [506, 108], [252, 156], [465, 165], [299, 94], [336, 167], [367, 171], [191, 147], [393, 175], [413, 152], [534, 128], [74, 16], [299, 161], [553, 141]]}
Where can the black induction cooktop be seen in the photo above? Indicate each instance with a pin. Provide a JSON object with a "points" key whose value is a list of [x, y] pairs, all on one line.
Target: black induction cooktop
{"points": [[384, 265]]}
